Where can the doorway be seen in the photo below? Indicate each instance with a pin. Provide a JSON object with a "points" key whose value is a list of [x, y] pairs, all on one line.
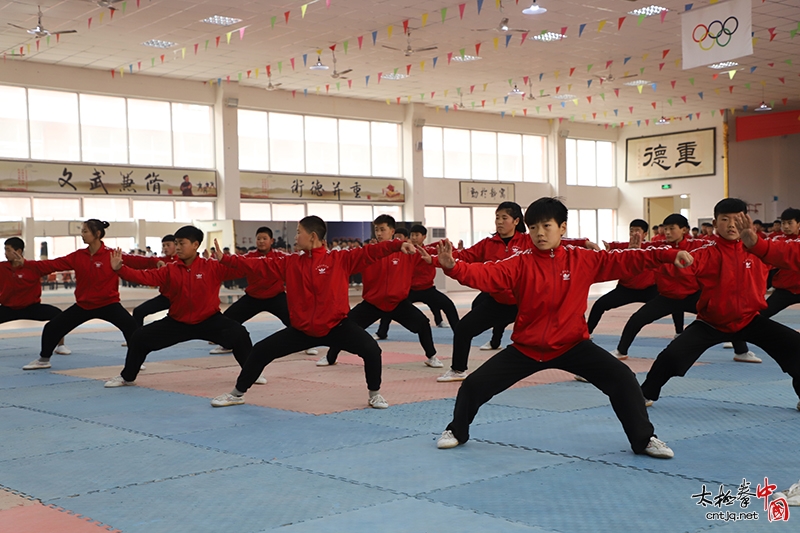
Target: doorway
{"points": [[656, 209]]}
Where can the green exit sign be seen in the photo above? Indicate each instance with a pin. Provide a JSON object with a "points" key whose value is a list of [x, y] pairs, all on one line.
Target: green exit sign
{"points": [[666, 186]]}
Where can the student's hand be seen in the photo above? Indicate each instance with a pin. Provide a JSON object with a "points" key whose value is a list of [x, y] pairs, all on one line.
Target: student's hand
{"points": [[206, 255], [635, 242], [424, 254], [744, 224], [408, 248], [217, 250], [160, 264], [461, 245], [445, 253], [15, 258], [116, 259], [683, 259], [606, 245], [591, 245]]}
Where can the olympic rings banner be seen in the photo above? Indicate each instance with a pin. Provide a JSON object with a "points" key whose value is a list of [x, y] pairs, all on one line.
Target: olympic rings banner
{"points": [[719, 32]]}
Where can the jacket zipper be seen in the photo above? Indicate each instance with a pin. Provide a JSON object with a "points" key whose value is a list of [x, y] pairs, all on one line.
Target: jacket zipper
{"points": [[550, 315]]}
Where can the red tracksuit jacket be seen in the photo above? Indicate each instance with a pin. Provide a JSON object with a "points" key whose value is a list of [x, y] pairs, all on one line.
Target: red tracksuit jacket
{"points": [[388, 281], [424, 274], [19, 287], [96, 283], [261, 287], [638, 281], [317, 282], [786, 279], [678, 286], [552, 289], [193, 291]]}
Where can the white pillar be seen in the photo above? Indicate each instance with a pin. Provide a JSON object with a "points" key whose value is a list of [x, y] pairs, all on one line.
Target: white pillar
{"points": [[226, 136], [412, 163]]}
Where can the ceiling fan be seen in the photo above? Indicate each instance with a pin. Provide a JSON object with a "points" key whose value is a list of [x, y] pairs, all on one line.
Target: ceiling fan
{"points": [[530, 91], [611, 77], [460, 104], [410, 50], [503, 27], [108, 4], [39, 30], [272, 86], [336, 74]]}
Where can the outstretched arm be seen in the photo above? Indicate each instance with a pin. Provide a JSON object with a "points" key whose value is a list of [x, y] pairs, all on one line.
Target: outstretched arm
{"points": [[150, 277], [495, 276], [779, 253]]}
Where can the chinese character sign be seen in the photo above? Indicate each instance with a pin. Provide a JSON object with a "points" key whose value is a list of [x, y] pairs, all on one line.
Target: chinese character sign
{"points": [[677, 155], [330, 188], [486, 193], [88, 180], [730, 504]]}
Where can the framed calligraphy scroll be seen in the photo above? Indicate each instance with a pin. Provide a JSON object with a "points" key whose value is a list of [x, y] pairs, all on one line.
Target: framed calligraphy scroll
{"points": [[485, 192], [686, 154], [325, 188]]}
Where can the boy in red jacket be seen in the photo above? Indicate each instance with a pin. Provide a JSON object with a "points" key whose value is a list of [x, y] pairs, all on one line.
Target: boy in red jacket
{"points": [[786, 282], [160, 302], [732, 280], [386, 287], [551, 283], [192, 287], [317, 284]]}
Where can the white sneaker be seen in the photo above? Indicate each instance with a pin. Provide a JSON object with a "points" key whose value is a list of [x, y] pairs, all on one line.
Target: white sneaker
{"points": [[676, 336], [312, 351], [124, 344], [792, 494], [323, 361], [62, 349], [434, 362], [580, 378], [488, 346], [747, 357], [220, 349], [261, 380], [443, 324], [620, 356], [224, 400], [659, 449], [118, 381], [375, 336], [378, 402], [447, 440], [37, 365], [728, 345], [648, 403], [452, 375], [798, 406], [143, 367]]}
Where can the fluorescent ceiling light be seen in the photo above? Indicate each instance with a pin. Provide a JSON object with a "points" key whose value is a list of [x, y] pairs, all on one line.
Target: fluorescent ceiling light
{"points": [[634, 83], [763, 107], [548, 37], [724, 64], [466, 58], [221, 21], [663, 121], [648, 11], [565, 97], [156, 43], [392, 76], [534, 9], [318, 65], [515, 91]]}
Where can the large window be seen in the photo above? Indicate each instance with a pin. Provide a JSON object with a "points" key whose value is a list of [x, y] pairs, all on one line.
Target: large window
{"points": [[281, 142], [597, 225], [56, 208], [482, 155], [14, 208], [67, 126], [590, 163]]}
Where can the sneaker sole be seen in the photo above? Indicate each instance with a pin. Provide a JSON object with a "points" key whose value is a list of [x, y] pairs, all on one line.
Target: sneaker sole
{"points": [[746, 360], [449, 380], [621, 357], [226, 404], [37, 367], [428, 363], [449, 445]]}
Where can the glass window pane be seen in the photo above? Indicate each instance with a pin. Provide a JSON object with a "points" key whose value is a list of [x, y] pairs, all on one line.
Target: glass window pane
{"points": [[253, 140], [189, 211], [587, 164], [255, 211], [482, 222], [13, 123], [533, 150], [484, 155], [572, 162], [457, 163], [573, 224], [357, 213], [432, 152], [12, 208], [606, 225], [458, 225], [286, 143], [57, 208], [588, 223], [434, 217], [125, 243], [322, 145], [150, 132], [193, 135], [154, 210], [329, 212], [509, 157], [288, 212], [104, 129], [107, 208], [386, 157], [354, 148], [394, 211], [605, 164], [66, 245], [54, 125]]}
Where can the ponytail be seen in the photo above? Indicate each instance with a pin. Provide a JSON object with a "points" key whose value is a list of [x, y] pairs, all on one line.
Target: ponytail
{"points": [[514, 211], [97, 226]]}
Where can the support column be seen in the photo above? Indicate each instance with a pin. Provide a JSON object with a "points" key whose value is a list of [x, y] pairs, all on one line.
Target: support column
{"points": [[226, 137], [412, 163]]}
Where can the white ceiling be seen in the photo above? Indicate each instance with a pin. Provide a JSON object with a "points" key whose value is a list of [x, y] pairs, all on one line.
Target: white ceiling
{"points": [[114, 44]]}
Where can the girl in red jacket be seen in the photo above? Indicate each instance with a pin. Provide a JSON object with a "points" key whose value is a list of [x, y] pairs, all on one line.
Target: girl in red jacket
{"points": [[96, 290], [551, 283]]}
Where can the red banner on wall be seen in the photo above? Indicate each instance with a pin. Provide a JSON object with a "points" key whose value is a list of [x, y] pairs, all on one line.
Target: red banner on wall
{"points": [[769, 125]]}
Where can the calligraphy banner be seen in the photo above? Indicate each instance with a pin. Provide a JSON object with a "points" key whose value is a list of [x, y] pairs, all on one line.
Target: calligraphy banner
{"points": [[271, 186], [483, 193], [685, 154], [717, 33], [82, 179]]}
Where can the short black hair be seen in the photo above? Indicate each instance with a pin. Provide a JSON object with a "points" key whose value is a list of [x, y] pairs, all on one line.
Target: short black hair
{"points": [[707, 225], [655, 227], [776, 221], [314, 224], [385, 219], [97, 226], [545, 209], [730, 206], [757, 221], [190, 232], [264, 229], [639, 223], [790, 214], [168, 238], [677, 219], [695, 229], [514, 210], [401, 231], [419, 228], [16, 243]]}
